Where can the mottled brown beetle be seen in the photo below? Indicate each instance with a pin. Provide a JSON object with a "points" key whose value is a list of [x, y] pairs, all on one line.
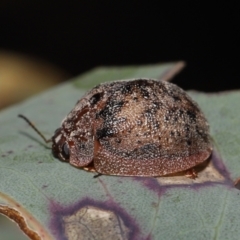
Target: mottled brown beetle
{"points": [[139, 127]]}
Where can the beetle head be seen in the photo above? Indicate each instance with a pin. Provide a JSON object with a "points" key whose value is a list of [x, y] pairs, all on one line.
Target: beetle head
{"points": [[76, 150], [60, 147]]}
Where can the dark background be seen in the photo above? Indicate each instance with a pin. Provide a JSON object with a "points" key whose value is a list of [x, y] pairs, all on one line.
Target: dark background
{"points": [[77, 36]]}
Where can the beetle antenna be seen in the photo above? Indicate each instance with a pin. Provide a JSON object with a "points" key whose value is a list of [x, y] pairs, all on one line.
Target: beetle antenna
{"points": [[32, 125]]}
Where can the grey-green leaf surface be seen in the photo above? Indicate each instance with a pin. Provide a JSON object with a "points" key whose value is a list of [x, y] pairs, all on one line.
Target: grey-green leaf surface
{"points": [[58, 201]]}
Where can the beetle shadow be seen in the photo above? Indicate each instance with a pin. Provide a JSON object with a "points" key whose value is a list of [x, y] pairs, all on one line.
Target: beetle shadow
{"points": [[35, 139]]}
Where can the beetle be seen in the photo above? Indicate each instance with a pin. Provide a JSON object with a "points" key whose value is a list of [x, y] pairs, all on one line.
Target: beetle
{"points": [[135, 127]]}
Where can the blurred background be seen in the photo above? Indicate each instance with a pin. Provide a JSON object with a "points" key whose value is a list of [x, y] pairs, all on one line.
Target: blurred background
{"points": [[43, 43]]}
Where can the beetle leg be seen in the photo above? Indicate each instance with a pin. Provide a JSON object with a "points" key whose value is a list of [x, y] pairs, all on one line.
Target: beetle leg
{"points": [[89, 168], [97, 175], [191, 173]]}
